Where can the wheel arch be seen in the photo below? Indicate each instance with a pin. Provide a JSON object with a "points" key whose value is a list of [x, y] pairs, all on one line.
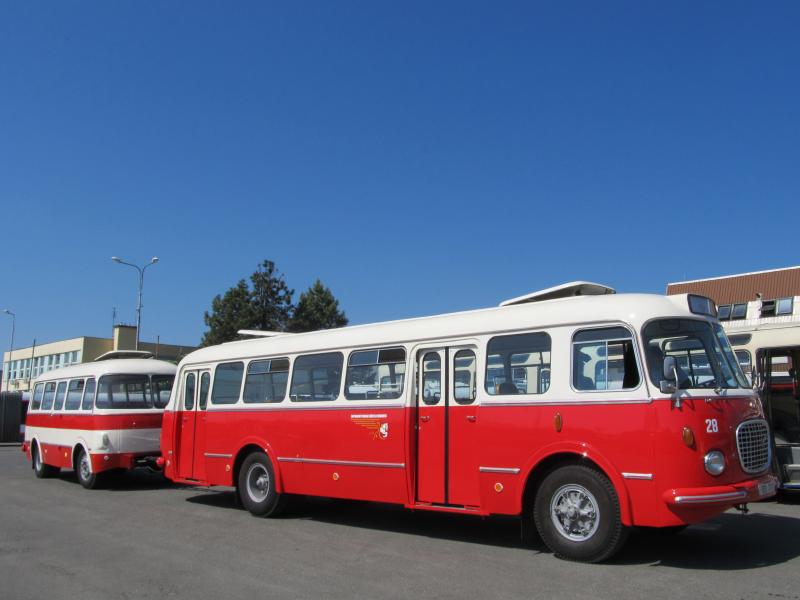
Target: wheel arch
{"points": [[250, 445], [82, 445], [552, 457]]}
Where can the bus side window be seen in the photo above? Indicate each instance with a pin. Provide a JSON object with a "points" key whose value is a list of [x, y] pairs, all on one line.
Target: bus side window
{"points": [[74, 393], [375, 374], [227, 383], [60, 393], [316, 377], [49, 394], [88, 394], [518, 364], [38, 392], [604, 359]]}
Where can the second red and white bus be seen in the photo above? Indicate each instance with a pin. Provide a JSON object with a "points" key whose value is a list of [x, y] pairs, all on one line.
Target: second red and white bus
{"points": [[97, 417], [576, 413], [770, 357]]}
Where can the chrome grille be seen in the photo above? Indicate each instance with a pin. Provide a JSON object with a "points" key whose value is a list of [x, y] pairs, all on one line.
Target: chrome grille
{"points": [[752, 442]]}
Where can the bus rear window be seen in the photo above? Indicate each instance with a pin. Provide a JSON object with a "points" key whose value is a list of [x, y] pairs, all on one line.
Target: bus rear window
{"points": [[123, 392]]}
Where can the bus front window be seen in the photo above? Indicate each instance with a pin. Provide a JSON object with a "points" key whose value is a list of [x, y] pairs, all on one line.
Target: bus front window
{"points": [[703, 355]]}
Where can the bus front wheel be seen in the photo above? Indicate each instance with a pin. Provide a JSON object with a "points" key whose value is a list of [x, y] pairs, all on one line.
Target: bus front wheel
{"points": [[577, 514], [256, 486], [40, 469], [83, 467]]}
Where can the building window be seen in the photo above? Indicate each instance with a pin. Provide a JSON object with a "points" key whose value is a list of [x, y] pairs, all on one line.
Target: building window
{"points": [[739, 311], [780, 306], [724, 312]]}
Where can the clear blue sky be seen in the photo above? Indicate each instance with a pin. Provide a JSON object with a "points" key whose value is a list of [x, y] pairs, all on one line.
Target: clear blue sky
{"points": [[417, 157]]}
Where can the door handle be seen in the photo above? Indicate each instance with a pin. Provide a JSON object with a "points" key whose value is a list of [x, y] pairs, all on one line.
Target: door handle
{"points": [[425, 419], [472, 418]]}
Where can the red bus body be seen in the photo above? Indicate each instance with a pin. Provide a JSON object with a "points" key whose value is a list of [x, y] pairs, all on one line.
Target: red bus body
{"points": [[488, 456]]}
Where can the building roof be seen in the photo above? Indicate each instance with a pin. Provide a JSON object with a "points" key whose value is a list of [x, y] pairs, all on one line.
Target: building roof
{"points": [[728, 289]]}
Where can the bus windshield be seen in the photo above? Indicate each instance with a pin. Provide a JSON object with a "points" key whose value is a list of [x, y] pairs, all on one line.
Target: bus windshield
{"points": [[702, 352]]}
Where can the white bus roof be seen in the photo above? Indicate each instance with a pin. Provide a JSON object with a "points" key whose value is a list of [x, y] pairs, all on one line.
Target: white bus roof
{"points": [[583, 310], [566, 290], [118, 366]]}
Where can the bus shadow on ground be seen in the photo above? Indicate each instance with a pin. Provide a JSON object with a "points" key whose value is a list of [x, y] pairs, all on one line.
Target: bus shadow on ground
{"points": [[728, 542], [127, 481]]}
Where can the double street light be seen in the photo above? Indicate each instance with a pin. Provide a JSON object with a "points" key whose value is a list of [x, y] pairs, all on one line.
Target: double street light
{"points": [[141, 270]]}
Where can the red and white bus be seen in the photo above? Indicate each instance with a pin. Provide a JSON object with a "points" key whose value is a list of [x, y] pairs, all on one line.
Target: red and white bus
{"points": [[769, 355], [96, 417], [581, 414]]}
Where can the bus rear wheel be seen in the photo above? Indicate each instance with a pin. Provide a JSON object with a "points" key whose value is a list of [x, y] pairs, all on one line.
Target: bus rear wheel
{"points": [[256, 486], [577, 514], [83, 468], [40, 469]]}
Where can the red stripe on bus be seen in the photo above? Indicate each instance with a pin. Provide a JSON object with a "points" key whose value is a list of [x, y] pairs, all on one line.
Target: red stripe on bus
{"points": [[95, 422]]}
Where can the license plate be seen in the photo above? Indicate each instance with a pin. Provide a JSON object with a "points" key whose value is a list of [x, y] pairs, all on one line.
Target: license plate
{"points": [[766, 489]]}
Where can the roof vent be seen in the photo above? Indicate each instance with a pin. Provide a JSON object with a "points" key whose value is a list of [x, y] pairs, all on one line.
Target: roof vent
{"points": [[260, 333], [565, 290], [113, 354]]}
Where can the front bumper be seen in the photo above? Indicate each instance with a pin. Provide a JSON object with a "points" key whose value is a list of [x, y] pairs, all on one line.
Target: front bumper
{"points": [[724, 495]]}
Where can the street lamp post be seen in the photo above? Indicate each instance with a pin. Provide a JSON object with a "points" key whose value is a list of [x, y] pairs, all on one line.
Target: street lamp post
{"points": [[11, 351], [141, 270]]}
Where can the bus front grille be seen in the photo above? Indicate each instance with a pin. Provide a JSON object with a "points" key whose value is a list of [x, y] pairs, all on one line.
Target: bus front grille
{"points": [[752, 442]]}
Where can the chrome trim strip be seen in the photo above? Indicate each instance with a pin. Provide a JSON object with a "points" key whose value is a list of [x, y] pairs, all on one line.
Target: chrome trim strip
{"points": [[511, 470], [710, 498], [214, 455], [346, 463], [647, 476]]}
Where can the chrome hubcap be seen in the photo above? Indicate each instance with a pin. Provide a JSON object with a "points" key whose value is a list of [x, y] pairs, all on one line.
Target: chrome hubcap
{"points": [[257, 482], [37, 460], [575, 512], [85, 467]]}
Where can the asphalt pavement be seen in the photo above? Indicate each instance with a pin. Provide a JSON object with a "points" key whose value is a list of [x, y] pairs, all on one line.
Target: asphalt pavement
{"points": [[144, 537]]}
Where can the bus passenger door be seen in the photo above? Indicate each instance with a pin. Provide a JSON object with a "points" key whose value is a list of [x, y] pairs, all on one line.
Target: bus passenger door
{"points": [[431, 426], [184, 448], [199, 459], [463, 479]]}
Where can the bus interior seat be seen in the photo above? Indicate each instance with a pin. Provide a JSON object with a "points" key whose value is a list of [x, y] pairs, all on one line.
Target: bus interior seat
{"points": [[507, 388]]}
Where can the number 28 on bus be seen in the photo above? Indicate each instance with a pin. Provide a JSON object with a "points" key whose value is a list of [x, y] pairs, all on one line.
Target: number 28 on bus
{"points": [[582, 411]]}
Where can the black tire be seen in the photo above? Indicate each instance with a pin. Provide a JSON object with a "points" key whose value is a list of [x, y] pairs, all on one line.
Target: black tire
{"points": [[256, 486], [40, 469], [83, 469], [577, 514]]}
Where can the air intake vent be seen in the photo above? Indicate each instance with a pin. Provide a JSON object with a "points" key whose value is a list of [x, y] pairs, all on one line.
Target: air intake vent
{"points": [[752, 441]]}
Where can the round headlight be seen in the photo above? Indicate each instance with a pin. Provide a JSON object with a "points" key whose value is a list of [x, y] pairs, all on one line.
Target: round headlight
{"points": [[714, 462]]}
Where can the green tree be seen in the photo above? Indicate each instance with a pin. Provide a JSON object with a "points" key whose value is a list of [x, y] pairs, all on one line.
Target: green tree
{"points": [[265, 304], [229, 313], [317, 309]]}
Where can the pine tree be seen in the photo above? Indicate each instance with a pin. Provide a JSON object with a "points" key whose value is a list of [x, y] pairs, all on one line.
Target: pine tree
{"points": [[266, 304], [317, 309]]}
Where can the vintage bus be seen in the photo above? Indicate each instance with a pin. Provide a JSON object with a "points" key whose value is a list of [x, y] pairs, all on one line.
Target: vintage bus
{"points": [[97, 417], [769, 356], [572, 407]]}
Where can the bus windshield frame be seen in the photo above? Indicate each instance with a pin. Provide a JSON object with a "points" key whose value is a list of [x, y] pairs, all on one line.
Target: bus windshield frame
{"points": [[704, 356]]}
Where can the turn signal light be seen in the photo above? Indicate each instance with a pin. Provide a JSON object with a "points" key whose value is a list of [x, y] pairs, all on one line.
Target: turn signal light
{"points": [[688, 437]]}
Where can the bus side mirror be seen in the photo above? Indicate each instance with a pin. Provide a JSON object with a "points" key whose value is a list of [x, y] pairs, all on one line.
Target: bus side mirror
{"points": [[669, 384]]}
